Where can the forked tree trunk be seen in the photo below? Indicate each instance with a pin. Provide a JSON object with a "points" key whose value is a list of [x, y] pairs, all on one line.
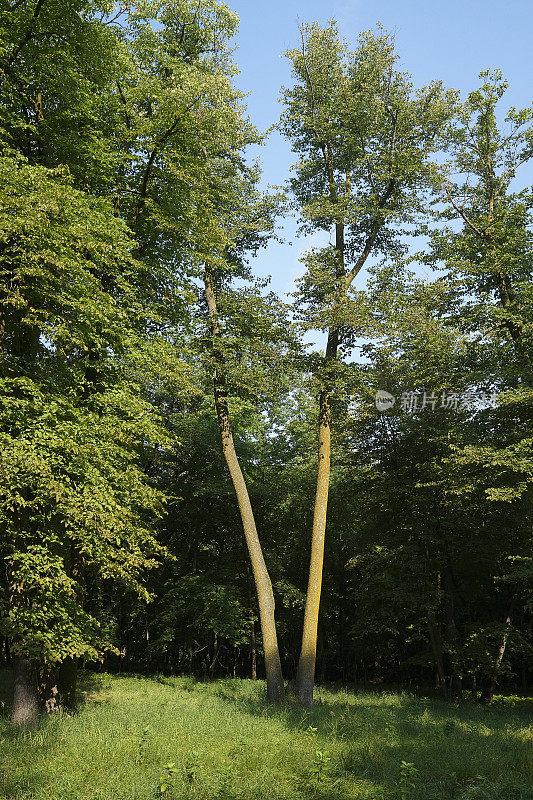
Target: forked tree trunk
{"points": [[306, 665], [263, 585], [25, 695], [305, 676]]}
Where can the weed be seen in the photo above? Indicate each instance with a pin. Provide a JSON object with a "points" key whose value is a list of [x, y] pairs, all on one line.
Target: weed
{"points": [[408, 775], [165, 786], [190, 769], [319, 768], [144, 741], [222, 741]]}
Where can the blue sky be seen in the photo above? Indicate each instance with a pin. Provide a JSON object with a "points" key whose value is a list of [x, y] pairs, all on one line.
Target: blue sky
{"points": [[451, 41]]}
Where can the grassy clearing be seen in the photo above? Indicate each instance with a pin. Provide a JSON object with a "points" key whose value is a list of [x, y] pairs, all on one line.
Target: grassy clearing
{"points": [[225, 743]]}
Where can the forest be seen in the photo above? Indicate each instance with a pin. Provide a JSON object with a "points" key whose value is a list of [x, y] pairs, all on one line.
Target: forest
{"points": [[204, 480]]}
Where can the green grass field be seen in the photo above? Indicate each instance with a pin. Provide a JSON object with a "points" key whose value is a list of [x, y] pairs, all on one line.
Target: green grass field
{"points": [[224, 742]]}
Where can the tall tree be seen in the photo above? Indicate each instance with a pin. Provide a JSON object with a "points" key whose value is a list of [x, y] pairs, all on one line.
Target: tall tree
{"points": [[365, 141], [263, 584], [486, 254], [76, 506]]}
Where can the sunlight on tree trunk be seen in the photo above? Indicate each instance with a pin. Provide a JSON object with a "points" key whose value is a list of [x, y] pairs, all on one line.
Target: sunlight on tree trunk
{"points": [[487, 692], [306, 665]]}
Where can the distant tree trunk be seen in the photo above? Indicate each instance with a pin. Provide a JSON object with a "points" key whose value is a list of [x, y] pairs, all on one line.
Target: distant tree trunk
{"points": [[452, 686], [215, 655], [25, 695], [487, 693], [254, 652], [68, 677], [436, 646], [265, 595]]}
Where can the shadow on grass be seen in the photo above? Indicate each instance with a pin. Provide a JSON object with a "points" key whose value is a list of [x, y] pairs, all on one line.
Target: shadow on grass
{"points": [[457, 751], [464, 752], [89, 687], [19, 745]]}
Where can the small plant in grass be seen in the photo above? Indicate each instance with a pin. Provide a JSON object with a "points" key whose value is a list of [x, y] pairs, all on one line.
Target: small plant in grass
{"points": [[240, 748], [319, 768], [408, 774], [190, 769], [165, 786], [144, 741], [225, 791]]}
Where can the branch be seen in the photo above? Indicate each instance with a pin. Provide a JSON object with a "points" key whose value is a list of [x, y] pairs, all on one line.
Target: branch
{"points": [[460, 210], [150, 163], [394, 118], [113, 20], [126, 114], [27, 36], [378, 222], [508, 172], [308, 77]]}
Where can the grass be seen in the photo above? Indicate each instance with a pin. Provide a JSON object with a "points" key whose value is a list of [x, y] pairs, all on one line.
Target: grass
{"points": [[142, 738]]}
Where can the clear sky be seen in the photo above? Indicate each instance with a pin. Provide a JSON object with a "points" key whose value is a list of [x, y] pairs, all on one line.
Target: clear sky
{"points": [[451, 41]]}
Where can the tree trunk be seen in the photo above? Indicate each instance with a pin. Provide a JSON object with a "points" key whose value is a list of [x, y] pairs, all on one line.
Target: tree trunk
{"points": [[215, 656], [254, 652], [306, 664], [454, 687], [436, 646], [68, 677], [487, 693], [25, 696], [265, 595]]}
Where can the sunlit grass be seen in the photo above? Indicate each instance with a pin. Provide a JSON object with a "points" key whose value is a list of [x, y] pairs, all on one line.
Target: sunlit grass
{"points": [[225, 742]]}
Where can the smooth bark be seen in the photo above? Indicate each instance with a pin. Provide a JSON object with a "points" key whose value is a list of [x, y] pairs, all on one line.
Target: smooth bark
{"points": [[344, 277]]}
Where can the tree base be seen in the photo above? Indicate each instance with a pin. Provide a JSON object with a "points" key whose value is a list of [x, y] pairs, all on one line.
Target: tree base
{"points": [[25, 695]]}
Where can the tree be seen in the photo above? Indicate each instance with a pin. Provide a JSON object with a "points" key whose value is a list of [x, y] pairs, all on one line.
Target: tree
{"points": [[76, 507], [159, 101], [486, 253], [365, 143]]}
